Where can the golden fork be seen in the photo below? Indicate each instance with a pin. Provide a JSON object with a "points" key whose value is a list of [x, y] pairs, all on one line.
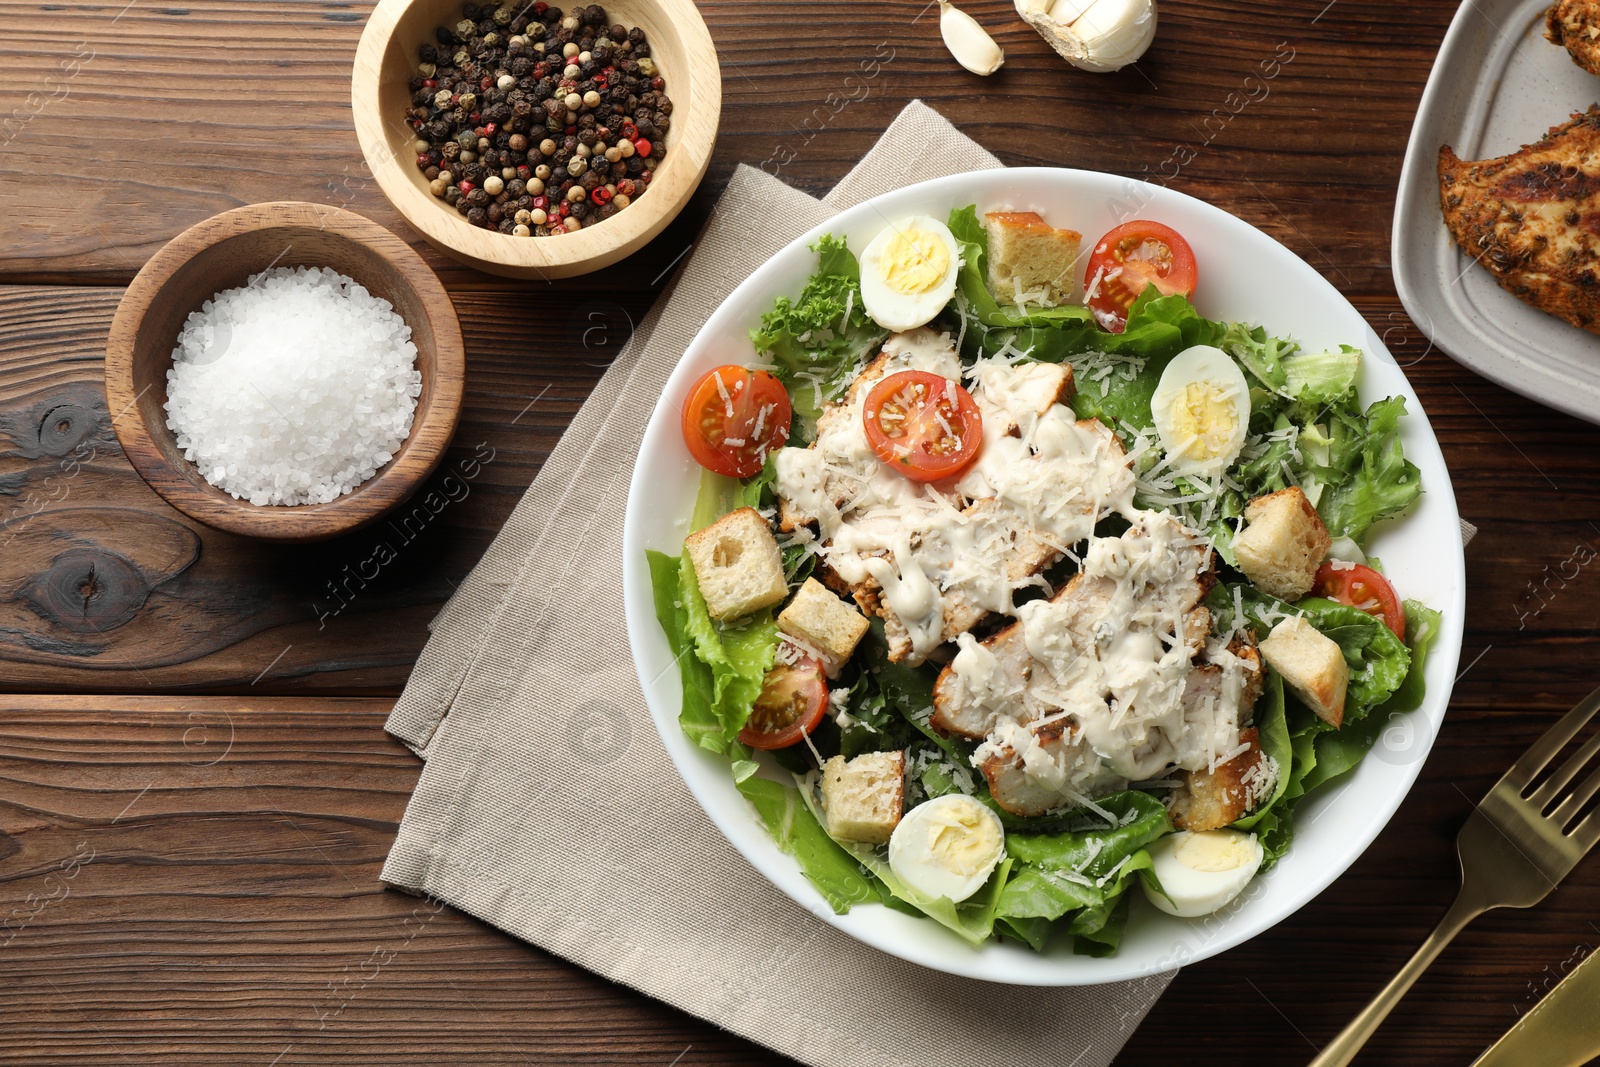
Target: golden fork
{"points": [[1518, 843]]}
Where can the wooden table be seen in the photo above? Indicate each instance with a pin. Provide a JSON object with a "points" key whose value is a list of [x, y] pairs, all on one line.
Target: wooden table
{"points": [[203, 752]]}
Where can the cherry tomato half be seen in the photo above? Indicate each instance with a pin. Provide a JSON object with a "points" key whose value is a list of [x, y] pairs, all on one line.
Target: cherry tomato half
{"points": [[1364, 588], [792, 701], [1132, 257], [734, 418], [924, 426]]}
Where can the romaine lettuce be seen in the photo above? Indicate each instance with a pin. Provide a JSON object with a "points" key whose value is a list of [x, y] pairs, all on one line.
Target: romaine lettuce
{"points": [[832, 870], [818, 343], [1073, 882]]}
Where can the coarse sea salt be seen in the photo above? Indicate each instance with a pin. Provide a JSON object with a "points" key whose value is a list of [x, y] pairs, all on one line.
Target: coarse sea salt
{"points": [[293, 389]]}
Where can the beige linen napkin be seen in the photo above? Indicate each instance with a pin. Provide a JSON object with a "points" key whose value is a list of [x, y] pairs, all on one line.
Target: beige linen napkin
{"points": [[548, 806]]}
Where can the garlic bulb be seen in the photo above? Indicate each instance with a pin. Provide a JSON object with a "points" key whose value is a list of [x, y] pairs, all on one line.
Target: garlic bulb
{"points": [[969, 42], [1098, 35]]}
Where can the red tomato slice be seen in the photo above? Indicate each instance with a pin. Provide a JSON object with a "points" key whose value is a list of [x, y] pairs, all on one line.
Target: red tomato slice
{"points": [[734, 418], [792, 701], [1364, 588], [924, 426], [1131, 257]]}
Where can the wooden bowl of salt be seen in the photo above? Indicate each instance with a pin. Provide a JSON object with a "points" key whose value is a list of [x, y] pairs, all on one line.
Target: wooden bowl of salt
{"points": [[224, 253]]}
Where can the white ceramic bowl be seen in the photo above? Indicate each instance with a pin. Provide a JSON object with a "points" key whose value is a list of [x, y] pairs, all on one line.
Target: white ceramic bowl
{"points": [[1244, 275]]}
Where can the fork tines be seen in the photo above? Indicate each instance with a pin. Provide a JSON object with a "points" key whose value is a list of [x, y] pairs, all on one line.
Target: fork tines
{"points": [[1523, 773]]}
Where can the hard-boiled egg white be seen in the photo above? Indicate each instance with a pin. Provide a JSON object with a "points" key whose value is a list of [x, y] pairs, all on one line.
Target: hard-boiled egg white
{"points": [[1202, 871], [1201, 409], [947, 846], [908, 272]]}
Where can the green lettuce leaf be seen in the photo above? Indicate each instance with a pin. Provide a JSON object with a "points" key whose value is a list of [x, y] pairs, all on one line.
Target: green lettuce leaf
{"points": [[1074, 881], [818, 342], [723, 667], [699, 722], [832, 870], [1322, 377], [738, 657], [1272, 725], [1379, 481]]}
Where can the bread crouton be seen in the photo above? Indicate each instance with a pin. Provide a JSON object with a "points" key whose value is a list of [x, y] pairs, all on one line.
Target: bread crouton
{"points": [[824, 623], [1213, 798], [738, 565], [863, 798], [1312, 665], [1282, 544], [1029, 257]]}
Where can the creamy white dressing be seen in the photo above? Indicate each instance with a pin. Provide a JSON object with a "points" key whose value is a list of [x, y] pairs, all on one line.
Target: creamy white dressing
{"points": [[1040, 477], [1114, 662], [1112, 693]]}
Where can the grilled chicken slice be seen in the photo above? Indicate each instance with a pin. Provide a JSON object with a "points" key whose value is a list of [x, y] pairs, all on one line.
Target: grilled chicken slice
{"points": [[1532, 218], [1122, 685], [1575, 25]]}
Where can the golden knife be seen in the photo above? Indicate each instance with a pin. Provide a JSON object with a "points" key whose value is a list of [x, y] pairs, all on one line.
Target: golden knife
{"points": [[1562, 1030]]}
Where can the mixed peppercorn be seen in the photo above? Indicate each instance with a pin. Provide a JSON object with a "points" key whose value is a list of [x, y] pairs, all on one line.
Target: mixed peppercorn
{"points": [[533, 121]]}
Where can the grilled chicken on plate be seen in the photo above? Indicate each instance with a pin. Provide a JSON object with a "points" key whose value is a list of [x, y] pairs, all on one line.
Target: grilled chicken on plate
{"points": [[1532, 218], [1575, 25]]}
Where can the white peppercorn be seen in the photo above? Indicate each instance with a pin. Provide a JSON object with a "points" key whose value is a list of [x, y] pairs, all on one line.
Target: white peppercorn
{"points": [[506, 82], [535, 186], [537, 216], [493, 185], [590, 99], [520, 230]]}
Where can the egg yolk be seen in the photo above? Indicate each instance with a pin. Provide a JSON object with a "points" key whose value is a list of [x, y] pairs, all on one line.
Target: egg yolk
{"points": [[1204, 419], [962, 842], [1213, 853], [915, 261]]}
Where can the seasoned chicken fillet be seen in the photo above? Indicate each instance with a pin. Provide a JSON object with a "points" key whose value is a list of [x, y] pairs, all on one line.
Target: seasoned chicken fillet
{"points": [[1575, 25], [1532, 218]]}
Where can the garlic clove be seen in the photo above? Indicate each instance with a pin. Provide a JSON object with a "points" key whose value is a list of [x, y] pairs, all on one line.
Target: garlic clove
{"points": [[1097, 35], [967, 41]]}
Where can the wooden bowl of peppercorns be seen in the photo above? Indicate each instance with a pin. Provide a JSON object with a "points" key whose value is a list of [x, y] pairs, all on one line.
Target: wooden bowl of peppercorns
{"points": [[532, 140]]}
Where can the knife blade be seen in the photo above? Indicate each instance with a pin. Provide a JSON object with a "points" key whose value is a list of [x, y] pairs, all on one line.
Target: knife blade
{"points": [[1562, 1030]]}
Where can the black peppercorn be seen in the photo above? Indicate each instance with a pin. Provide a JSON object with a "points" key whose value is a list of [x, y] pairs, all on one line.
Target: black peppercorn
{"points": [[580, 209]]}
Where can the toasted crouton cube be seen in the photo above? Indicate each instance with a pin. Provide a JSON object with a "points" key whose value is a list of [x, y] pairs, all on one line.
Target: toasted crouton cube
{"points": [[1029, 256], [823, 622], [738, 565], [864, 798], [1283, 543], [1312, 665]]}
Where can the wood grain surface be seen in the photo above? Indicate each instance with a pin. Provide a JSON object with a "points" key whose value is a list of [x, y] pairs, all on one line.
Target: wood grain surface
{"points": [[192, 879]]}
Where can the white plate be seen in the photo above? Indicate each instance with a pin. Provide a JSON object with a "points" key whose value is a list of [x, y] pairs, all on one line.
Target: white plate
{"points": [[1496, 86], [1244, 275]]}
